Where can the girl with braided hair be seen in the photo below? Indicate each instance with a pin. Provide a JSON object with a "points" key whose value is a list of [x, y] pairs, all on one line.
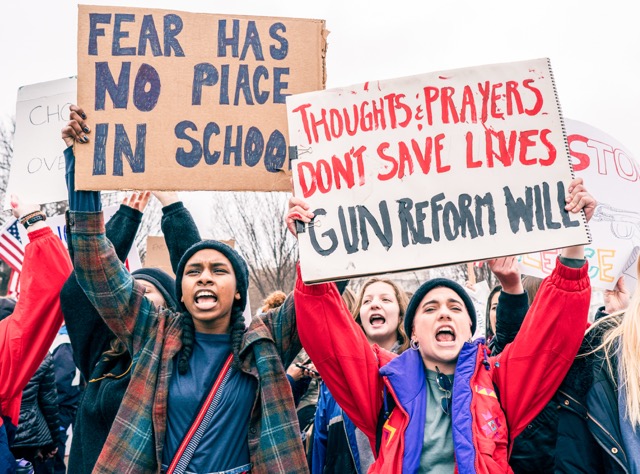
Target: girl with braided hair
{"points": [[102, 358], [178, 355]]}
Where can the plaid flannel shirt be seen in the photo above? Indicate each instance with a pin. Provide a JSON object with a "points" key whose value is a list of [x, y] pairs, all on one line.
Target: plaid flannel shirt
{"points": [[135, 442]]}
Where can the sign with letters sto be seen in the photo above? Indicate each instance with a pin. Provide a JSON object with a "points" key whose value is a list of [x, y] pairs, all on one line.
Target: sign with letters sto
{"points": [[612, 175], [37, 167], [190, 101], [431, 170]]}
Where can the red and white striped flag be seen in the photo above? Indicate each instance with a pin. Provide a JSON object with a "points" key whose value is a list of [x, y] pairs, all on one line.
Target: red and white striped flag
{"points": [[13, 289], [11, 248]]}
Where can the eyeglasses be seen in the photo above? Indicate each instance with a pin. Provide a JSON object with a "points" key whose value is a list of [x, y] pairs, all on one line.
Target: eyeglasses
{"points": [[444, 384]]}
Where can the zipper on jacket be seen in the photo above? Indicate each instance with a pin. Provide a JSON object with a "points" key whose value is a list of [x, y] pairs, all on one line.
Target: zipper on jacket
{"points": [[606, 448]]}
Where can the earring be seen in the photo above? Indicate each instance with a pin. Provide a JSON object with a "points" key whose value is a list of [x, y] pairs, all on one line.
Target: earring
{"points": [[414, 344]]}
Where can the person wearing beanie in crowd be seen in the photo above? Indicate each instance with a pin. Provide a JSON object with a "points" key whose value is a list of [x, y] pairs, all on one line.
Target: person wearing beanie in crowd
{"points": [[251, 425], [446, 405], [103, 360], [27, 333]]}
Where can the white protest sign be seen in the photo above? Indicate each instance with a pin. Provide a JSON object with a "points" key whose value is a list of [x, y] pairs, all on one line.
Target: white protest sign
{"points": [[431, 170], [479, 295], [612, 176], [37, 168], [58, 224]]}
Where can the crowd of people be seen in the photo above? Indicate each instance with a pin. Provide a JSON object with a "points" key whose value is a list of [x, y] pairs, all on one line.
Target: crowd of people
{"points": [[161, 374]]}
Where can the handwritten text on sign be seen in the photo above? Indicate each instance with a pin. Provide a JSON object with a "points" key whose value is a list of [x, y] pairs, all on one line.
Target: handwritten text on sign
{"points": [[191, 101], [431, 170], [613, 178], [37, 167]]}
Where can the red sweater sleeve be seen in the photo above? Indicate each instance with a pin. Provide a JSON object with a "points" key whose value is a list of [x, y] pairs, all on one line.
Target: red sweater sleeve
{"points": [[340, 351], [530, 369], [27, 335]]}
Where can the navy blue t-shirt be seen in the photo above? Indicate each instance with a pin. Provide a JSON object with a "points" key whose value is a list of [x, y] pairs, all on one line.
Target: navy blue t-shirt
{"points": [[224, 444]]}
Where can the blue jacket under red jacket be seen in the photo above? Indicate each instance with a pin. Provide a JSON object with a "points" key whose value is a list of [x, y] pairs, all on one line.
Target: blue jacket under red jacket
{"points": [[494, 397]]}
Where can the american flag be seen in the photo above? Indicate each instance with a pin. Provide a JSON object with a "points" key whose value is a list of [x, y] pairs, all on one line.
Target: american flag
{"points": [[12, 252], [11, 248]]}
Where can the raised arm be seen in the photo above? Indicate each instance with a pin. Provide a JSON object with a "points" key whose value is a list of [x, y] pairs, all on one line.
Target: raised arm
{"points": [[26, 335], [90, 336], [179, 228], [99, 272], [336, 344], [513, 302], [531, 368], [107, 283]]}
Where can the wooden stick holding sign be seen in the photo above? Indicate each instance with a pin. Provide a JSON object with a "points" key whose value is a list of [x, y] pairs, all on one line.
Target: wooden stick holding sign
{"points": [[432, 170]]}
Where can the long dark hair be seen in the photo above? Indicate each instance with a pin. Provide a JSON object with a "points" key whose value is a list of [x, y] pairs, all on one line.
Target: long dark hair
{"points": [[487, 326]]}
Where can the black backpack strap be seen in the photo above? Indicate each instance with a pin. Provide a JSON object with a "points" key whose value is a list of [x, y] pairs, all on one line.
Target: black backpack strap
{"points": [[388, 404]]}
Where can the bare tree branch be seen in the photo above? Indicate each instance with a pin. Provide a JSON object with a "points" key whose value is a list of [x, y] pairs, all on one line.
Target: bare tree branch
{"points": [[256, 222], [7, 131]]}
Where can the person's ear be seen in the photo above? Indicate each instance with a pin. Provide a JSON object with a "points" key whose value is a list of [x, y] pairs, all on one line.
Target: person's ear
{"points": [[237, 295]]}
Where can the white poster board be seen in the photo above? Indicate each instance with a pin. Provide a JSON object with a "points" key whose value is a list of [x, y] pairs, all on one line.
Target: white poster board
{"points": [[612, 176], [37, 168], [432, 170], [59, 225]]}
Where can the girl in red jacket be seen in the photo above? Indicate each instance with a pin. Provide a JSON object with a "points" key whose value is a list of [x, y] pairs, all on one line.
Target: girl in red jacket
{"points": [[446, 405], [26, 335]]}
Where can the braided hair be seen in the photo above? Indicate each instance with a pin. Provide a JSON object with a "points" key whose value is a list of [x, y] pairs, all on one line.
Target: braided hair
{"points": [[236, 323], [188, 338], [189, 335]]}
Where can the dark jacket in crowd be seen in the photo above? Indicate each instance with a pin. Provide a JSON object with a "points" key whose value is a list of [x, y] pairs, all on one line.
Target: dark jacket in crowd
{"points": [[589, 436], [534, 449], [26, 335], [335, 448], [108, 377], [39, 422], [69, 386], [67, 380]]}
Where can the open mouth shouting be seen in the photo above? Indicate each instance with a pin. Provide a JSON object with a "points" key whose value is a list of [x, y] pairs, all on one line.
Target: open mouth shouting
{"points": [[205, 300], [377, 320], [446, 335]]}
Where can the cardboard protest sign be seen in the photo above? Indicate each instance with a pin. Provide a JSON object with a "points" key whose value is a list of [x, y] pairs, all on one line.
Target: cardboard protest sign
{"points": [[59, 226], [479, 295], [430, 170], [37, 167], [190, 101], [158, 254], [612, 176]]}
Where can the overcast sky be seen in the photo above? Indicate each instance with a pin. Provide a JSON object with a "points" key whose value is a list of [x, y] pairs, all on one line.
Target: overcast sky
{"points": [[594, 46]]}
